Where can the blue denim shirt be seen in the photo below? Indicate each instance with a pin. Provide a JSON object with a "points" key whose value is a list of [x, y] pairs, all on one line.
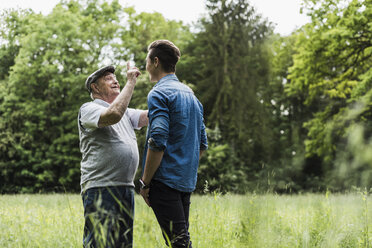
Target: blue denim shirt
{"points": [[176, 126]]}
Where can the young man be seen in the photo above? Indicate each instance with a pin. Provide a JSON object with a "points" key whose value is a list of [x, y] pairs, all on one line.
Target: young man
{"points": [[109, 158], [176, 139]]}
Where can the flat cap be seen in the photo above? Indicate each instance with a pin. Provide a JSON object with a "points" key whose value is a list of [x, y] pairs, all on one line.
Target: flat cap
{"points": [[97, 74]]}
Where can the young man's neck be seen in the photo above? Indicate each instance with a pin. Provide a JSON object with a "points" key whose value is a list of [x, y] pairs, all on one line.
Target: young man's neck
{"points": [[163, 74]]}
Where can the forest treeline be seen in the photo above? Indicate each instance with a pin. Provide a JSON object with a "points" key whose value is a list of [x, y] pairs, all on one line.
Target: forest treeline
{"points": [[284, 113]]}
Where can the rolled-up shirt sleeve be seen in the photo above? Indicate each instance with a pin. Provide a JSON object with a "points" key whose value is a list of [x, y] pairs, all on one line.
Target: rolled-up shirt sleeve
{"points": [[203, 132], [159, 121], [204, 141]]}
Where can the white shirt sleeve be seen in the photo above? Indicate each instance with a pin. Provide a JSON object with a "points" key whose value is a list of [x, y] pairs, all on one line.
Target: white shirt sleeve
{"points": [[134, 115], [90, 114]]}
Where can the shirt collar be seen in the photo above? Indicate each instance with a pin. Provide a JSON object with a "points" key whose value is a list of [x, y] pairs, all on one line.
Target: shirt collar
{"points": [[166, 78], [101, 102]]}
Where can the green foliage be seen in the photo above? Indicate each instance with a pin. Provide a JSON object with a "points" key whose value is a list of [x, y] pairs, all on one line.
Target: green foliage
{"points": [[12, 28], [353, 161], [40, 148], [283, 114], [44, 63], [284, 171], [228, 59], [217, 169], [143, 28], [331, 76], [334, 50]]}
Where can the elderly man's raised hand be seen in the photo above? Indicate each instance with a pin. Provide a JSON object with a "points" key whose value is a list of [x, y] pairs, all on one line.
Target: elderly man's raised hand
{"points": [[132, 73]]}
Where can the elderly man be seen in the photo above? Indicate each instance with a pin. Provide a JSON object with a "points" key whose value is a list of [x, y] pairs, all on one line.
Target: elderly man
{"points": [[109, 158], [176, 139]]}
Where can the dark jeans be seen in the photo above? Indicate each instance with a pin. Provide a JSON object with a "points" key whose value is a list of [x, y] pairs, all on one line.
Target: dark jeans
{"points": [[108, 214], [171, 208]]}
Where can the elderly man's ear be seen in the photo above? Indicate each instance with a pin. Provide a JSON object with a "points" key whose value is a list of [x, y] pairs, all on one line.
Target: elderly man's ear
{"points": [[94, 87]]}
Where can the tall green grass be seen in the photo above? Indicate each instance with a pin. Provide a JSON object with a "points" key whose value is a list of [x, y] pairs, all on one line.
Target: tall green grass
{"points": [[270, 220]]}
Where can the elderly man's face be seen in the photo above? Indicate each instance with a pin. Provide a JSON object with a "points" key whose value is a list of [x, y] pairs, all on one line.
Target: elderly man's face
{"points": [[108, 87]]}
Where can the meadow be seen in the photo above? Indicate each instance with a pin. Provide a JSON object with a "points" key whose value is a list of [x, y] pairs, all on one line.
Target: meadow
{"points": [[267, 220]]}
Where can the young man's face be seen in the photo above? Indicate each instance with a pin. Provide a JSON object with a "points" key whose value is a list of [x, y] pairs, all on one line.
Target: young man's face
{"points": [[150, 67]]}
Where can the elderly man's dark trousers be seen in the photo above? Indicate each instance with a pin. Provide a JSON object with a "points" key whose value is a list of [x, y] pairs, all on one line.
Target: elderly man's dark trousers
{"points": [[108, 216], [171, 208]]}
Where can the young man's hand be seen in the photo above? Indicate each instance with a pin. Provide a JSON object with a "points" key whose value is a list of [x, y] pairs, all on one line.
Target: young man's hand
{"points": [[145, 195]]}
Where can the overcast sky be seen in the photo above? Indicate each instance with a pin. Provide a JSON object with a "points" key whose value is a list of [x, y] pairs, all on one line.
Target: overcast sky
{"points": [[285, 14]]}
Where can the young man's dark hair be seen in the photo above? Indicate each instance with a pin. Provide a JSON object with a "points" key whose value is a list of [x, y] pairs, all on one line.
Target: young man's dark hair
{"points": [[167, 53]]}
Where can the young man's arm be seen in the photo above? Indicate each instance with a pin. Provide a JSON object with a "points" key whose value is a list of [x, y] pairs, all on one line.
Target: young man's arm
{"points": [[153, 160], [203, 135], [158, 137]]}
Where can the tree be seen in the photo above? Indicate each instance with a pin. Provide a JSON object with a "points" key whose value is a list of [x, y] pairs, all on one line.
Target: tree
{"points": [[229, 64], [142, 29], [331, 72], [286, 115], [40, 149], [45, 62]]}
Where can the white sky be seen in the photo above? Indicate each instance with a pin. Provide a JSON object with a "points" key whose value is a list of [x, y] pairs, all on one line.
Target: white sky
{"points": [[285, 14]]}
